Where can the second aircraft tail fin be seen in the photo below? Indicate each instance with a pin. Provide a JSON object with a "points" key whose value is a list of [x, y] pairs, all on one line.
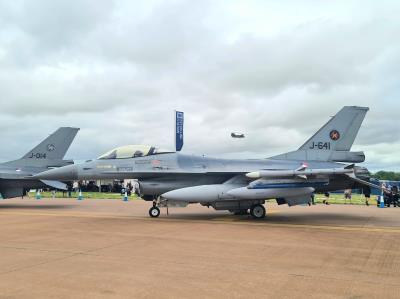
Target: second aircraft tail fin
{"points": [[55, 146], [51, 151]]}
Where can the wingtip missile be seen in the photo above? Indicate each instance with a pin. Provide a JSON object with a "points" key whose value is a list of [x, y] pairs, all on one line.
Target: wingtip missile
{"points": [[300, 173], [253, 175]]}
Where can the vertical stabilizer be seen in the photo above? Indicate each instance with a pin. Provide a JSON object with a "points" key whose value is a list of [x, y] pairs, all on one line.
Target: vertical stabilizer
{"points": [[334, 140], [339, 132], [50, 152], [55, 146]]}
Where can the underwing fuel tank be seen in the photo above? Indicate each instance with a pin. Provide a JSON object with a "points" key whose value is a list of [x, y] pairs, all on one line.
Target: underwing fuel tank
{"points": [[201, 194], [212, 193], [245, 193]]}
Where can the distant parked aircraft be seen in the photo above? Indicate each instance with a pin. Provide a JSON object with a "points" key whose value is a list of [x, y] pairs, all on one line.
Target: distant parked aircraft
{"points": [[16, 176]]}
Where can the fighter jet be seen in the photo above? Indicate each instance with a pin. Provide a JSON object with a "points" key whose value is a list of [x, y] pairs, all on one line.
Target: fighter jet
{"points": [[169, 178], [16, 176]]}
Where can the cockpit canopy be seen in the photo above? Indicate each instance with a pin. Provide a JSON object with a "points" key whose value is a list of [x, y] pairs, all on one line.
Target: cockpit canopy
{"points": [[132, 151]]}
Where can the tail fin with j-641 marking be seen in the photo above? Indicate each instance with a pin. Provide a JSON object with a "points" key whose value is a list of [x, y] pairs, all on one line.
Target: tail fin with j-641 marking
{"points": [[334, 140]]}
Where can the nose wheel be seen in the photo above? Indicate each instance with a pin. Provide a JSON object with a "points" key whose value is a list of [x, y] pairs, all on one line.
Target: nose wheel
{"points": [[154, 212], [257, 211]]}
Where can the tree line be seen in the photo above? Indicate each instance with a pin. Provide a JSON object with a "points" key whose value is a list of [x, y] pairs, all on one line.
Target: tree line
{"points": [[387, 175]]}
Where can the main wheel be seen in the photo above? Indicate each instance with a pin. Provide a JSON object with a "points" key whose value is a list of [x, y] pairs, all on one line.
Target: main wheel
{"points": [[257, 211], [154, 212]]}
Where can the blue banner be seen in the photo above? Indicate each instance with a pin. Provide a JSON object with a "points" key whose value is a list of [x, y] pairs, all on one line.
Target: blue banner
{"points": [[178, 130]]}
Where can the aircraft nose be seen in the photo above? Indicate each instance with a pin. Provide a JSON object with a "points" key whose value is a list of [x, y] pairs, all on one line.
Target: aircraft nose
{"points": [[65, 173]]}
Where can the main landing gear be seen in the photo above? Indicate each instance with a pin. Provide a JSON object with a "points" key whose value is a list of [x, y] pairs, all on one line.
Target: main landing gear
{"points": [[257, 211]]}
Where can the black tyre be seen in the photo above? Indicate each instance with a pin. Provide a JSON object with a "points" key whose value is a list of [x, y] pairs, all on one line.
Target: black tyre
{"points": [[257, 211], [154, 212]]}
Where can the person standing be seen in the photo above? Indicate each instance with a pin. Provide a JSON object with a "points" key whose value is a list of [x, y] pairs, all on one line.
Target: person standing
{"points": [[347, 195], [395, 196], [367, 198], [387, 196], [325, 201]]}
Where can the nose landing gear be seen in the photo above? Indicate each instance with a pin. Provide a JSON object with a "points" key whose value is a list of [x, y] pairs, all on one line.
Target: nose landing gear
{"points": [[154, 212]]}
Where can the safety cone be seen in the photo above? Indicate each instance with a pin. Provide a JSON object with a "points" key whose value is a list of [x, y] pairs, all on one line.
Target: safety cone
{"points": [[126, 196], [80, 196], [38, 195], [381, 201]]}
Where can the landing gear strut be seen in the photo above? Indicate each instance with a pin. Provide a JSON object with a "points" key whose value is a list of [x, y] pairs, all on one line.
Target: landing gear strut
{"points": [[257, 211]]}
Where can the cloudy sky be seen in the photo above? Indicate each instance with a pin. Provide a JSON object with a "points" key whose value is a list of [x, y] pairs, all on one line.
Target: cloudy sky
{"points": [[275, 70]]}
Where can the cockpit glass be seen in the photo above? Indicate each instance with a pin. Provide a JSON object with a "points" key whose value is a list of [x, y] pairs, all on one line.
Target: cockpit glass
{"points": [[132, 151]]}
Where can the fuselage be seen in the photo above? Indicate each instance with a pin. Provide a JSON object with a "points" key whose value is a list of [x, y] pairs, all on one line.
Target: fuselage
{"points": [[161, 173], [15, 181]]}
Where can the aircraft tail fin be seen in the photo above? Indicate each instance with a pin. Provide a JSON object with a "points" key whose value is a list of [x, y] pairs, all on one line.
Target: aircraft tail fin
{"points": [[340, 131], [51, 151], [55, 146], [334, 140]]}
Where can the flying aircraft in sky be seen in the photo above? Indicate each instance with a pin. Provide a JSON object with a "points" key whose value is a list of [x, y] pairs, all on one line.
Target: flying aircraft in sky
{"points": [[237, 135], [16, 176], [324, 163]]}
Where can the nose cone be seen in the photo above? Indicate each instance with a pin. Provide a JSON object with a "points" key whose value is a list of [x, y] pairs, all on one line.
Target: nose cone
{"points": [[66, 173]]}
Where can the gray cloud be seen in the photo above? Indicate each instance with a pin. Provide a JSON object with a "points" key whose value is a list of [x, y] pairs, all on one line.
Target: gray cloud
{"points": [[118, 69]]}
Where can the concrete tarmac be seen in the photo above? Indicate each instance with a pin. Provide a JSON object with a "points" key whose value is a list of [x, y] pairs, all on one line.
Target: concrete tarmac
{"points": [[112, 249]]}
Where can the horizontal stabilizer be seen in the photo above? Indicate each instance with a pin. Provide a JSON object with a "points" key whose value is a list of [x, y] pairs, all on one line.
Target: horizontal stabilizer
{"points": [[366, 183]]}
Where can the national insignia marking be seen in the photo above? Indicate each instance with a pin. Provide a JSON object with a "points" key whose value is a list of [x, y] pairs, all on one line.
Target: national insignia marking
{"points": [[334, 135]]}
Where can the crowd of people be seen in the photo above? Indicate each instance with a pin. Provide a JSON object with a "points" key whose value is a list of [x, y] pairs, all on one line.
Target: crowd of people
{"points": [[391, 196]]}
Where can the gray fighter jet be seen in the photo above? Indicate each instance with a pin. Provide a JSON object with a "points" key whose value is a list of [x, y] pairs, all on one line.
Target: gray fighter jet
{"points": [[16, 176], [169, 178]]}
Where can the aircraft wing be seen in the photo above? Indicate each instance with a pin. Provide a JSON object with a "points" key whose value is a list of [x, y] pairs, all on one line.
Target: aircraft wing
{"points": [[55, 184]]}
